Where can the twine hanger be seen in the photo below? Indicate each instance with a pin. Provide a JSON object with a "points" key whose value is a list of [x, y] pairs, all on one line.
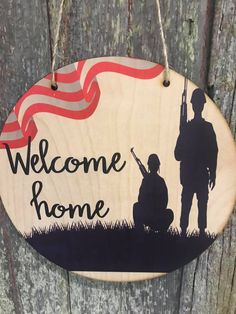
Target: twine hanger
{"points": [[166, 81], [54, 85]]}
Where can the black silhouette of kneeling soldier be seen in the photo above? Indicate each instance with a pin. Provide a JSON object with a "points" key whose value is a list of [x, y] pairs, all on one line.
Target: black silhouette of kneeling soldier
{"points": [[151, 209]]}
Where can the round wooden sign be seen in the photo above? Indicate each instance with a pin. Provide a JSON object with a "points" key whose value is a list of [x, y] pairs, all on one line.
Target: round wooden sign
{"points": [[115, 176]]}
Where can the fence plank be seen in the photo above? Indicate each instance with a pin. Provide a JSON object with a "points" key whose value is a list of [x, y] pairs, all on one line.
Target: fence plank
{"points": [[209, 282], [28, 283]]}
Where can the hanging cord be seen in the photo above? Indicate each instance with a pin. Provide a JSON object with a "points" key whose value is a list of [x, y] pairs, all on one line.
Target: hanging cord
{"points": [[166, 81], [55, 47], [54, 85]]}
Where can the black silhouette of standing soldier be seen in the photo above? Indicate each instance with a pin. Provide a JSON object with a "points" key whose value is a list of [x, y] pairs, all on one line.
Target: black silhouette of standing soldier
{"points": [[197, 150], [150, 210]]}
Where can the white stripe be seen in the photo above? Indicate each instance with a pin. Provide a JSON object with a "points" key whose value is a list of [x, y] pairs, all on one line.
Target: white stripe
{"points": [[63, 87], [11, 118], [15, 135], [33, 99], [67, 69]]}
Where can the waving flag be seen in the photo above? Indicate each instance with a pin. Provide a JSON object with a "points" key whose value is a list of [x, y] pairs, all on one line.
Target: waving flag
{"points": [[77, 96]]}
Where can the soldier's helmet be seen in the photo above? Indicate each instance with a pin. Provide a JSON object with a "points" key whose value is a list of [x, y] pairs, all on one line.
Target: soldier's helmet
{"points": [[153, 162], [198, 96]]}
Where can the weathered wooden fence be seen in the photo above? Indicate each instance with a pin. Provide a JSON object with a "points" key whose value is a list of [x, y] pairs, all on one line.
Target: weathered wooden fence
{"points": [[201, 42]]}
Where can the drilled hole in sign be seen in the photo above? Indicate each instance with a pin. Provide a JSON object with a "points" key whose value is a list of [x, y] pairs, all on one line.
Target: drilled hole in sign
{"points": [[54, 86], [166, 83]]}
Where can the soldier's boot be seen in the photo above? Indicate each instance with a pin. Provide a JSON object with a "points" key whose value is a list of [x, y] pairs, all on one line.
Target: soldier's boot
{"points": [[202, 232], [164, 220], [183, 232]]}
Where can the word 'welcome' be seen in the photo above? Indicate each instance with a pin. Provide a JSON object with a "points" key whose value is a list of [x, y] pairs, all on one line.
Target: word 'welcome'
{"points": [[38, 162]]}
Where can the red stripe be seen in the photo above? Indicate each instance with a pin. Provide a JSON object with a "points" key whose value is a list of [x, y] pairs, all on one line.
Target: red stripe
{"points": [[72, 96], [31, 131], [47, 91], [93, 97], [80, 68], [10, 127], [69, 77]]}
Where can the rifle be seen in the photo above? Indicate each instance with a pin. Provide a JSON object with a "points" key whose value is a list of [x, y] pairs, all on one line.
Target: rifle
{"points": [[141, 166], [183, 108]]}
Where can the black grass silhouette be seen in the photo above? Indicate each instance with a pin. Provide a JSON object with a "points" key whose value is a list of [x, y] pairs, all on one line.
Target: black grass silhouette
{"points": [[117, 247]]}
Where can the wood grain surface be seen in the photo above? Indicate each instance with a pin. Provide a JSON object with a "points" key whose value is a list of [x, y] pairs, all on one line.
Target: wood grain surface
{"points": [[201, 42]]}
